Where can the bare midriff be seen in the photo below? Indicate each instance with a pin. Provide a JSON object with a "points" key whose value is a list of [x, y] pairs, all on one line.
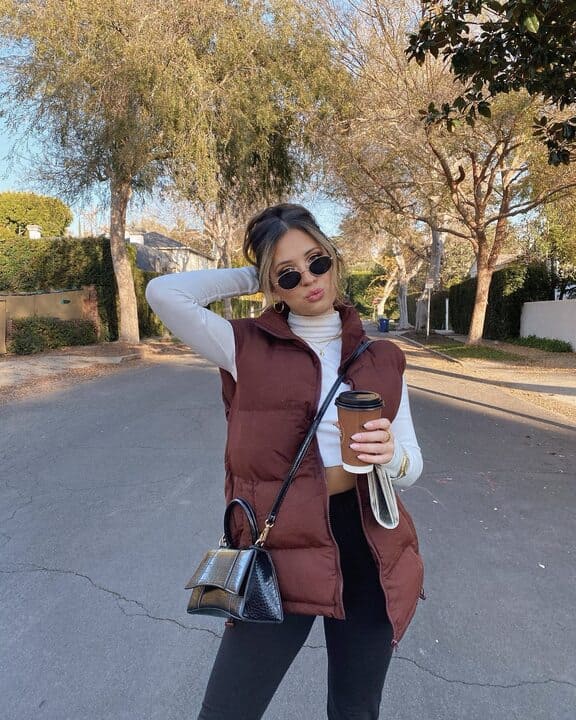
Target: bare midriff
{"points": [[339, 480]]}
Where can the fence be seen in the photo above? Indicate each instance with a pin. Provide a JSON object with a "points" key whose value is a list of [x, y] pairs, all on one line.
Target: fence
{"points": [[555, 319], [62, 304]]}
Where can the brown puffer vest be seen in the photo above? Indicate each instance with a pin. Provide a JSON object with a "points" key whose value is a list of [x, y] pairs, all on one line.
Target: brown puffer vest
{"points": [[269, 411]]}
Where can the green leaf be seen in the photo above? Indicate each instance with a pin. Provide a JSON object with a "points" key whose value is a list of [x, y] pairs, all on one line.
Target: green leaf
{"points": [[531, 23], [484, 110]]}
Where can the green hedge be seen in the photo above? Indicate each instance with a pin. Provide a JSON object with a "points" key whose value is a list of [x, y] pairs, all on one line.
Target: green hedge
{"points": [[437, 309], [511, 287], [35, 334], [65, 263], [148, 322], [241, 307], [356, 289], [362, 294]]}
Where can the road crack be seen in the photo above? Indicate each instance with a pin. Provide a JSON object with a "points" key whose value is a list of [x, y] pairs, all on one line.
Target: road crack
{"points": [[120, 599], [20, 507], [468, 683]]}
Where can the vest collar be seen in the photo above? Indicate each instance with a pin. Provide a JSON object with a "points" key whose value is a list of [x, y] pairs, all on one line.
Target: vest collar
{"points": [[276, 324]]}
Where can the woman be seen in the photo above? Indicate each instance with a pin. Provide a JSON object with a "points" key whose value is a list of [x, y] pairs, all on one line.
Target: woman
{"points": [[331, 556]]}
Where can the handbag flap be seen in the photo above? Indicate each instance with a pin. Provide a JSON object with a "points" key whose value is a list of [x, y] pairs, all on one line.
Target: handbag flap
{"points": [[224, 568]]}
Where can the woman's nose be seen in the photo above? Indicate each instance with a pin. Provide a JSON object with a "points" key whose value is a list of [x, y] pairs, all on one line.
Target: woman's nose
{"points": [[307, 277]]}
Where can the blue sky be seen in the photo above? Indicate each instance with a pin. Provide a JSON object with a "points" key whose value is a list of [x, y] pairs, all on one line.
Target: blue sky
{"points": [[15, 176]]}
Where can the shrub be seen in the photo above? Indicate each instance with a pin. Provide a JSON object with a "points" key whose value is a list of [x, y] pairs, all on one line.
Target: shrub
{"points": [[35, 334], [65, 264], [364, 287], [242, 307], [356, 289], [548, 344], [437, 309], [149, 323]]}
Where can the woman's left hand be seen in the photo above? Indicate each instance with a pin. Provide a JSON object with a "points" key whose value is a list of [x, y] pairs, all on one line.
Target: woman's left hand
{"points": [[376, 444]]}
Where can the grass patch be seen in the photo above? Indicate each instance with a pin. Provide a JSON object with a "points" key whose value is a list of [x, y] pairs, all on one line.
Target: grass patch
{"points": [[480, 352], [458, 350], [547, 344]]}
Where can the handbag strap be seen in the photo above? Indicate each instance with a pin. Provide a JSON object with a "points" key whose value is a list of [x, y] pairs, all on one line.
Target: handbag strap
{"points": [[273, 514], [245, 506]]}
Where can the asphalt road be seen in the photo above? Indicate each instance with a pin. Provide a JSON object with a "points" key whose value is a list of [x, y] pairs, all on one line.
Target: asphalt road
{"points": [[111, 491]]}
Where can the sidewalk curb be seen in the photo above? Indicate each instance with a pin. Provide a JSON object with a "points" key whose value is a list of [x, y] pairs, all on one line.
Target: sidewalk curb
{"points": [[128, 358], [400, 336], [433, 352]]}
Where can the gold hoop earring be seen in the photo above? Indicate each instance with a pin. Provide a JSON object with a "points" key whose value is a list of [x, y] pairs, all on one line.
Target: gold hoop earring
{"points": [[282, 307]]}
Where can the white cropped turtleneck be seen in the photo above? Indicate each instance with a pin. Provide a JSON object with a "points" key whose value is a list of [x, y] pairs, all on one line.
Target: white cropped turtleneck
{"points": [[324, 335], [179, 299]]}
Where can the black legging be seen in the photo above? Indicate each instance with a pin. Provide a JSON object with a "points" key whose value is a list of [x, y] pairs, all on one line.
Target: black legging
{"points": [[253, 658]]}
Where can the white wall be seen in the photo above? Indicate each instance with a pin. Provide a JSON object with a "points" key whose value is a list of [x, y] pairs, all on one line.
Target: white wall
{"points": [[550, 319]]}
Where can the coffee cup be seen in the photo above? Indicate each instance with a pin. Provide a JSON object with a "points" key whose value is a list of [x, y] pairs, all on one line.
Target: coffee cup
{"points": [[355, 408]]}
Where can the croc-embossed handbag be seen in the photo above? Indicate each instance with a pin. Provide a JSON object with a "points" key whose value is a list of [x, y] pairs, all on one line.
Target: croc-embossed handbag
{"points": [[240, 583]]}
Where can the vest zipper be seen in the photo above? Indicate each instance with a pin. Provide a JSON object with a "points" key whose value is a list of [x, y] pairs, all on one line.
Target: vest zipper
{"points": [[327, 506], [323, 476], [394, 642]]}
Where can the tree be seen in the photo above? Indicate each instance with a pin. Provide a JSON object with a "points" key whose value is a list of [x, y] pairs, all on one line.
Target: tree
{"points": [[397, 243], [503, 46], [115, 90], [287, 81], [468, 182], [133, 93], [19, 209], [553, 238], [377, 155], [362, 248]]}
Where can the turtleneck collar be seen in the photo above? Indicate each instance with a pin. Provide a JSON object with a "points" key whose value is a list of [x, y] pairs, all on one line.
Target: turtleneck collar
{"points": [[277, 324], [315, 327]]}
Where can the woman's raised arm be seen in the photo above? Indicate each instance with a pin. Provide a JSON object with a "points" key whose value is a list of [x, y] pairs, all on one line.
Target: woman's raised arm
{"points": [[179, 300]]}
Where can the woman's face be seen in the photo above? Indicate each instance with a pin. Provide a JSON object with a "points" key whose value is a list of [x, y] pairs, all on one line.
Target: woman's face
{"points": [[314, 294]]}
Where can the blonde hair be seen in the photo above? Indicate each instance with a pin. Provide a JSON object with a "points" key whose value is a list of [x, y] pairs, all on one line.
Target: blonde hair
{"points": [[266, 228]]}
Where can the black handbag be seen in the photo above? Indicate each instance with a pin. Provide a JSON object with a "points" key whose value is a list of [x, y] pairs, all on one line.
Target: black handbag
{"points": [[240, 583]]}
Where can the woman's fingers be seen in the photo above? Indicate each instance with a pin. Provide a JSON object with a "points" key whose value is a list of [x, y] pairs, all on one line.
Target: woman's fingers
{"points": [[376, 443], [371, 448], [378, 424], [382, 436], [376, 446]]}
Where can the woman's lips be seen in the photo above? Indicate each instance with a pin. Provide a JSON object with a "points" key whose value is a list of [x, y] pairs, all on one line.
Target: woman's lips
{"points": [[315, 295]]}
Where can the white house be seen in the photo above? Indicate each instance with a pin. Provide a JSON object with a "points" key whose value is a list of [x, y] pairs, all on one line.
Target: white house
{"points": [[158, 253]]}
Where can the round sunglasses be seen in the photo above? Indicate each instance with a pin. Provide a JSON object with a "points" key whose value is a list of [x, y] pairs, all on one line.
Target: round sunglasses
{"points": [[319, 265]]}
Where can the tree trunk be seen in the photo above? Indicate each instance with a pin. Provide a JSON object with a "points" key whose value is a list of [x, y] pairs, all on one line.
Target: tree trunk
{"points": [[228, 308], [403, 280], [486, 260], [403, 322], [483, 280], [421, 321], [120, 191], [433, 275], [219, 225], [226, 259], [388, 287]]}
